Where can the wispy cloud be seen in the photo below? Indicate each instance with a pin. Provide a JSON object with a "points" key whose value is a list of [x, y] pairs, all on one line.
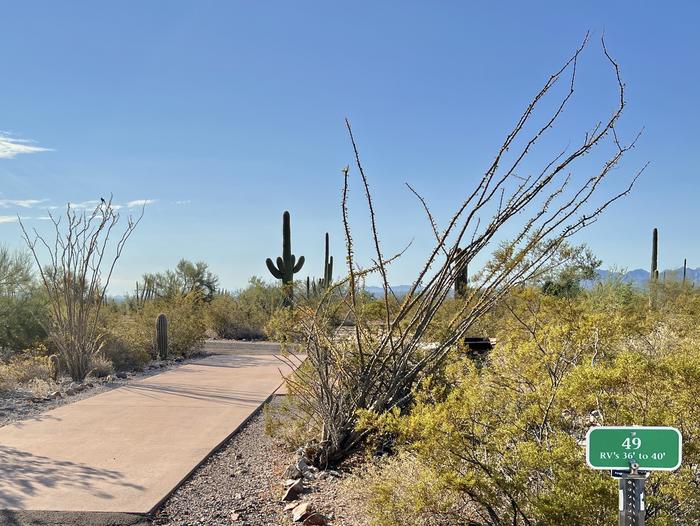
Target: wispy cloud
{"points": [[14, 219], [185, 202], [94, 203], [83, 205], [140, 202], [11, 147], [22, 203]]}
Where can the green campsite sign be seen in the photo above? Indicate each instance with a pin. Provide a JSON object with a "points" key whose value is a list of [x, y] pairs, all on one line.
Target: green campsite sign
{"points": [[650, 448]]}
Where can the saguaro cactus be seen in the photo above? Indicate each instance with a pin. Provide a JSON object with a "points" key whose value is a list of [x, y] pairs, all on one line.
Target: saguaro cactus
{"points": [[462, 277], [162, 336], [655, 255], [327, 267], [287, 265], [685, 268]]}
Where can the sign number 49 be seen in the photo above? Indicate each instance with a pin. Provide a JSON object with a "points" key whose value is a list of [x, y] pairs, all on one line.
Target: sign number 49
{"points": [[633, 443]]}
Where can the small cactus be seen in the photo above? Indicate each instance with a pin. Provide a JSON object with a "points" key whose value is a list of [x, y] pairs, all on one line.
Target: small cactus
{"points": [[287, 265], [325, 282], [162, 336], [55, 367]]}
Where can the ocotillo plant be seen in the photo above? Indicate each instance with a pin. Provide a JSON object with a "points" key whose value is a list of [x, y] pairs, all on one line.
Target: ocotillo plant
{"points": [[462, 277], [287, 265], [325, 282], [685, 267], [655, 255], [162, 336]]}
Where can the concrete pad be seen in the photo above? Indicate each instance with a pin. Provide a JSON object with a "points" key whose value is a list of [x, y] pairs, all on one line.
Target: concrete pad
{"points": [[127, 449]]}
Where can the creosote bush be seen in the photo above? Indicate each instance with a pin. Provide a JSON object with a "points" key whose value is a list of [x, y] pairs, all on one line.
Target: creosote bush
{"points": [[502, 444]]}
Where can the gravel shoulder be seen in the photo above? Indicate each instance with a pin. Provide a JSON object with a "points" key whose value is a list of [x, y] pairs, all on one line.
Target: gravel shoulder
{"points": [[242, 485]]}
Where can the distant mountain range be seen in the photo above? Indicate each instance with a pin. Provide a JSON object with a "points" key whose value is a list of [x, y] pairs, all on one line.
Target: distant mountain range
{"points": [[399, 290], [640, 277], [637, 277]]}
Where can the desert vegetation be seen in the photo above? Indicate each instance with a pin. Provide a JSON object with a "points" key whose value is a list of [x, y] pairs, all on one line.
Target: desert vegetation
{"points": [[57, 319], [451, 437], [390, 388]]}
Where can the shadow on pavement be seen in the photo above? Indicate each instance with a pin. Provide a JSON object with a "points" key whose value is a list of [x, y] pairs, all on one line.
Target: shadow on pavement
{"points": [[23, 475]]}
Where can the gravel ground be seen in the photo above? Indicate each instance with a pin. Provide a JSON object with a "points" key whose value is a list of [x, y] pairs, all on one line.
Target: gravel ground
{"points": [[242, 485], [29, 402], [242, 478]]}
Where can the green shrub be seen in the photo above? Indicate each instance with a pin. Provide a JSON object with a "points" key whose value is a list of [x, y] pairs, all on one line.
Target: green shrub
{"points": [[130, 335], [21, 319], [186, 324], [128, 342], [245, 314]]}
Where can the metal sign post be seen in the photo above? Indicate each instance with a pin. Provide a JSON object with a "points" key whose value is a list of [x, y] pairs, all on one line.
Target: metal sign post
{"points": [[632, 497]]}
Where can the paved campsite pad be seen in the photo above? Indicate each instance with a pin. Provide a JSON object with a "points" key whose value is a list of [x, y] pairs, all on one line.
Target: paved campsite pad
{"points": [[125, 450]]}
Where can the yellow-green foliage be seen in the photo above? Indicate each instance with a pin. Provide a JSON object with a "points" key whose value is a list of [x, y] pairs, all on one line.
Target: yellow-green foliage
{"points": [[503, 444]]}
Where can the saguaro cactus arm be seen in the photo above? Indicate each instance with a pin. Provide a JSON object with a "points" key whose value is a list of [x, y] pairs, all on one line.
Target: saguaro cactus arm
{"points": [[273, 270]]}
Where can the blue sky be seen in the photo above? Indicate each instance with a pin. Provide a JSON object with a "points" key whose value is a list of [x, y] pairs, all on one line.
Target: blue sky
{"points": [[224, 114]]}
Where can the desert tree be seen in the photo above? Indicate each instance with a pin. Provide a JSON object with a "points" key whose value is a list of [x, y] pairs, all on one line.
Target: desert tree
{"points": [[15, 271], [377, 370], [82, 255]]}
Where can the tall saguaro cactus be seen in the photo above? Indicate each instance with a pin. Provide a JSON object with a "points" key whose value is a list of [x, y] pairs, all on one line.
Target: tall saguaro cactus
{"points": [[655, 255], [287, 265], [462, 277], [162, 336], [327, 268]]}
